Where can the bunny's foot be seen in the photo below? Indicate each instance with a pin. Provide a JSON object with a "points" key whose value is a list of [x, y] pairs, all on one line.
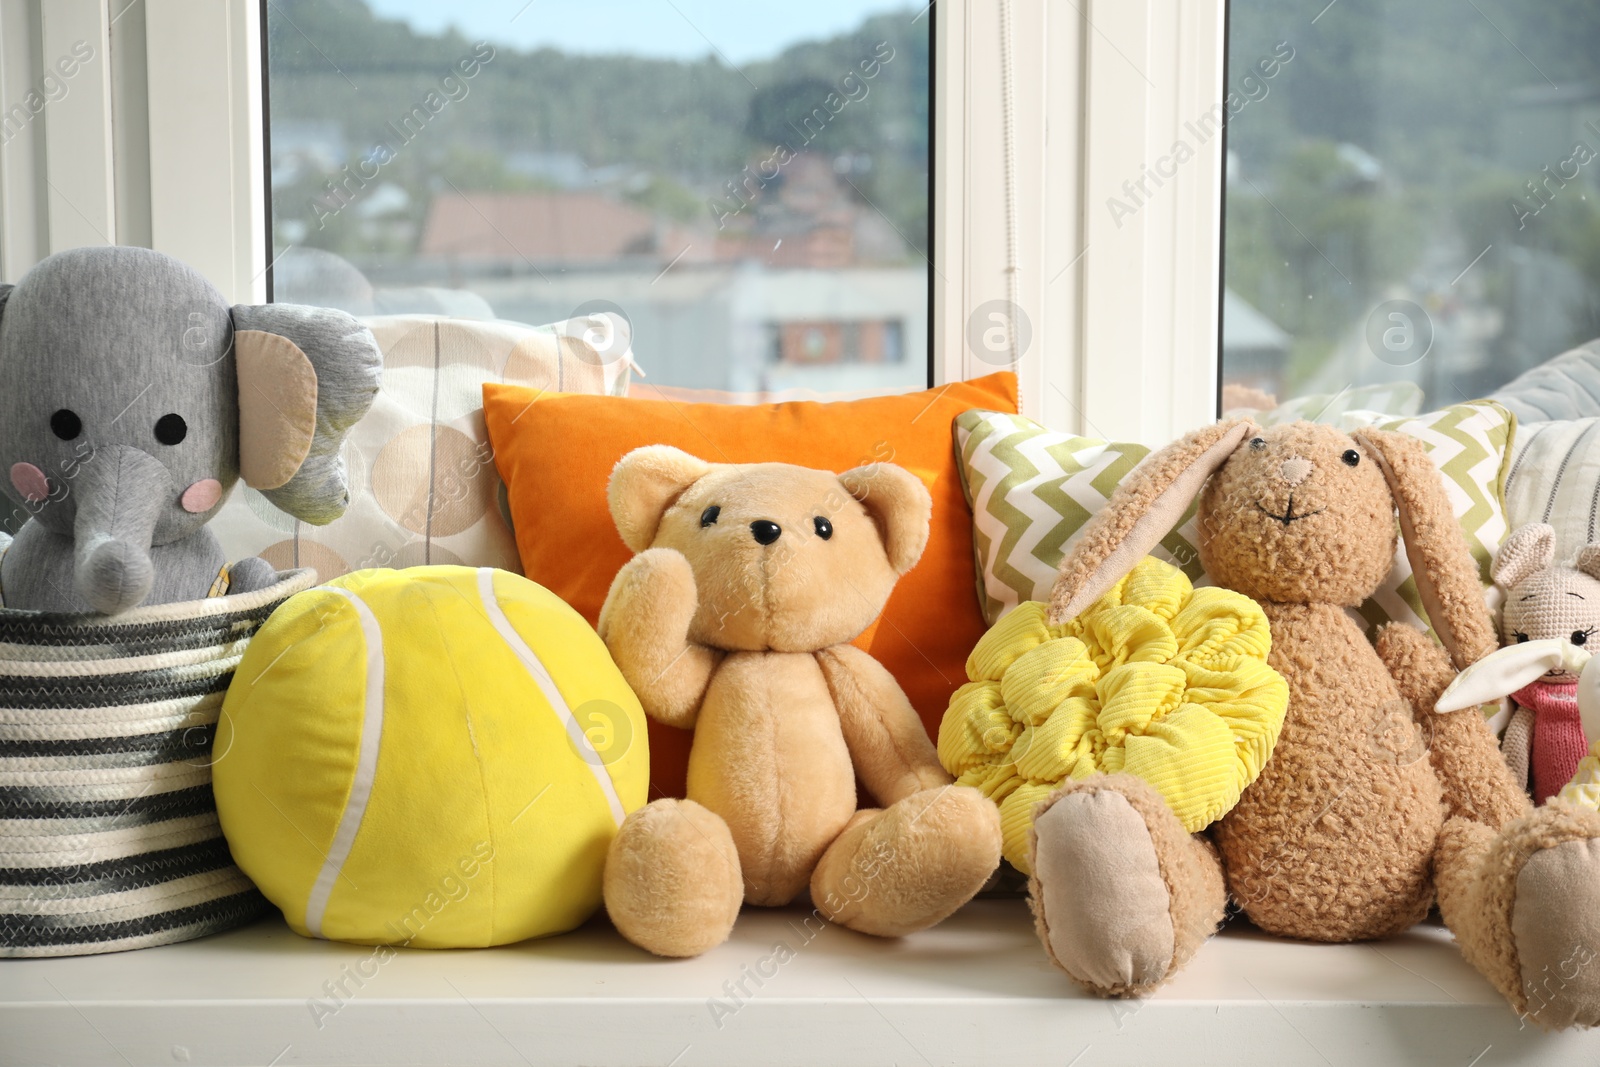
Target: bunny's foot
{"points": [[1122, 896], [907, 867], [673, 883], [1524, 905]]}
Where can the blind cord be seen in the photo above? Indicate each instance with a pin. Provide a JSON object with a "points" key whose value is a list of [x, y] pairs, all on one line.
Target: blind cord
{"points": [[1009, 132]]}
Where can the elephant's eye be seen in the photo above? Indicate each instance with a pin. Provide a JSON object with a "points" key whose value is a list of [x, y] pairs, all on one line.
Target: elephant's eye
{"points": [[1520, 636], [66, 425], [1351, 457], [171, 429], [708, 517], [824, 527]]}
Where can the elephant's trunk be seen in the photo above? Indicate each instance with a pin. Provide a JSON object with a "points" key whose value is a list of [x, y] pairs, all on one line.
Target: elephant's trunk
{"points": [[119, 493]]}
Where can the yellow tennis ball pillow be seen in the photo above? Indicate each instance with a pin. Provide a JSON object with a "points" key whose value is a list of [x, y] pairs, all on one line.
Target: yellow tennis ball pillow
{"points": [[1155, 679], [436, 757]]}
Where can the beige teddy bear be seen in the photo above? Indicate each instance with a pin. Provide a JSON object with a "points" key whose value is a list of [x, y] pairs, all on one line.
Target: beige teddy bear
{"points": [[735, 619]]}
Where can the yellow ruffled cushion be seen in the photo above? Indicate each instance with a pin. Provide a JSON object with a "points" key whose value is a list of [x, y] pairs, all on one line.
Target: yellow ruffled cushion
{"points": [[1584, 789], [1157, 679]]}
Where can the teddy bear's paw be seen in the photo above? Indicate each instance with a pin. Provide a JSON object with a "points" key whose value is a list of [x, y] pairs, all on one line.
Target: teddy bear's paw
{"points": [[653, 593], [645, 624], [1122, 896], [909, 866], [672, 882], [1553, 913]]}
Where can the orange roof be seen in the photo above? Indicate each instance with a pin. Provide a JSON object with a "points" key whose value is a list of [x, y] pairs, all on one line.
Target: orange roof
{"points": [[537, 226]]}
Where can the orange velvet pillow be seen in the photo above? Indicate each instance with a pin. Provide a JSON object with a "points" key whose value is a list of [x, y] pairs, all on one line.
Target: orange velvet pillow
{"points": [[555, 452]]}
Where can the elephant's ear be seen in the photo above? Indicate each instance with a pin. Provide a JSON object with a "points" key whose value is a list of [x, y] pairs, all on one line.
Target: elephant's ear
{"points": [[5, 294], [306, 376]]}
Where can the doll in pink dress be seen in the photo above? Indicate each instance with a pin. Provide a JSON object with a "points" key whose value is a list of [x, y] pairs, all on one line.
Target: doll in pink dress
{"points": [[1547, 601]]}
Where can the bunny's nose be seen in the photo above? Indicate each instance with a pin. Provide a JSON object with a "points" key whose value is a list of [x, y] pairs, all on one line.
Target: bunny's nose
{"points": [[1296, 469], [765, 531]]}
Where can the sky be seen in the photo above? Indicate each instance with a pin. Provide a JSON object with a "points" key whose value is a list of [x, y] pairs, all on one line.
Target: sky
{"points": [[741, 30]]}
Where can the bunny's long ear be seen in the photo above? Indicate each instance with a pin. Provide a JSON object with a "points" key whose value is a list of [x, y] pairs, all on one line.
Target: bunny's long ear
{"points": [[1506, 670], [1143, 510], [1445, 572]]}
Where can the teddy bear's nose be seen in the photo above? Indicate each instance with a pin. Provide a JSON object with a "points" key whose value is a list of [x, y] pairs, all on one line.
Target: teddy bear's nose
{"points": [[765, 531]]}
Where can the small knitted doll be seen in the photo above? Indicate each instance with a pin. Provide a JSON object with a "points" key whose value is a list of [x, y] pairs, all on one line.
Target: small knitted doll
{"points": [[1516, 668], [1545, 601]]}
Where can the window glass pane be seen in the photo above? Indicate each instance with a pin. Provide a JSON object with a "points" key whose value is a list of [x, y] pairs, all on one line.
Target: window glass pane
{"points": [[1410, 194], [751, 192]]}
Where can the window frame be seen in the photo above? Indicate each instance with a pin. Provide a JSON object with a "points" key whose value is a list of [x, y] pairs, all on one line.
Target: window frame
{"points": [[1107, 358], [156, 141]]}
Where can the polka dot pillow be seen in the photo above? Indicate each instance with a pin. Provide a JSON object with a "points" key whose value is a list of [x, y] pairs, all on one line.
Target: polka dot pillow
{"points": [[424, 488]]}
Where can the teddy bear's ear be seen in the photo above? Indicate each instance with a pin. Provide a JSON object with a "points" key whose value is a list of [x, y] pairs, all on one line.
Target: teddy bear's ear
{"points": [[1589, 560], [899, 503], [644, 484], [1528, 550]]}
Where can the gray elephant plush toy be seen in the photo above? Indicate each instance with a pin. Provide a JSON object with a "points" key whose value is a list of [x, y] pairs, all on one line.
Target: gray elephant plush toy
{"points": [[133, 398]]}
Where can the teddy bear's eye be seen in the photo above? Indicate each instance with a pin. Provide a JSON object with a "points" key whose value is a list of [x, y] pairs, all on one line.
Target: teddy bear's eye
{"points": [[708, 517], [1258, 443], [66, 425], [1520, 636], [1351, 457], [824, 527]]}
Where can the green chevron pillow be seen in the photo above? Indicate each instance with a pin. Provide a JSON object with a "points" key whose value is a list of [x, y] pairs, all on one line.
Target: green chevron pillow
{"points": [[1031, 491]]}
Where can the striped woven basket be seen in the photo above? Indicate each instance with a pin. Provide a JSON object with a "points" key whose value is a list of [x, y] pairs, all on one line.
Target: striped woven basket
{"points": [[108, 833]]}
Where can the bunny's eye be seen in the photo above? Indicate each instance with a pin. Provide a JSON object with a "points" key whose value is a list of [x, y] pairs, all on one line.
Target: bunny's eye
{"points": [[1351, 457], [1520, 636], [823, 526], [708, 517], [1580, 636], [1258, 443]]}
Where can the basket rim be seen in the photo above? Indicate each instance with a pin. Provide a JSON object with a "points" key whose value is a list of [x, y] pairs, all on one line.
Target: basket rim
{"points": [[88, 623]]}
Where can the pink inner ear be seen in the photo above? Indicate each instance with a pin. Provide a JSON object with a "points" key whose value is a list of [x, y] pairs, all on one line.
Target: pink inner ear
{"points": [[30, 482], [202, 496]]}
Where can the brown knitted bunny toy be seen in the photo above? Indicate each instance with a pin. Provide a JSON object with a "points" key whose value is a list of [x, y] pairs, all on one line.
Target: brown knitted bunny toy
{"points": [[1372, 803]]}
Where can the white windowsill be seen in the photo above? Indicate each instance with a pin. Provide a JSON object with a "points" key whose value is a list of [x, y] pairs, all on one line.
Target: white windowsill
{"points": [[975, 990]]}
